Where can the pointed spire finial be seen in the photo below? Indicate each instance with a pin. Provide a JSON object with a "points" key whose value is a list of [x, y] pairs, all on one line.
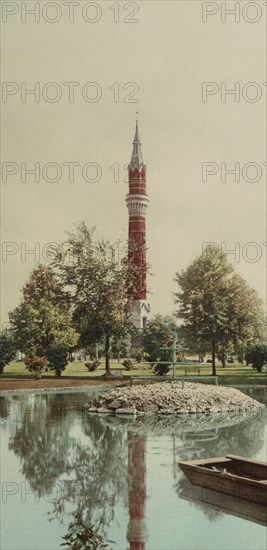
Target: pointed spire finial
{"points": [[137, 158]]}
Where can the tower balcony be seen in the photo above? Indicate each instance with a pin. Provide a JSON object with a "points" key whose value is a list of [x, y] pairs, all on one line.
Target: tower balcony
{"points": [[137, 204]]}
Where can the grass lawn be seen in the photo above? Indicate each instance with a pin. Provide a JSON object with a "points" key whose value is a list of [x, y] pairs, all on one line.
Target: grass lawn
{"points": [[230, 375]]}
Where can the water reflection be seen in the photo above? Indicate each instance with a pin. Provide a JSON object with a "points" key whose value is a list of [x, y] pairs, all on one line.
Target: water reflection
{"points": [[137, 531], [82, 464], [214, 504], [93, 469]]}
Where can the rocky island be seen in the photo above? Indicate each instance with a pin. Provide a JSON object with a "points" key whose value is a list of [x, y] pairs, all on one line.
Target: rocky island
{"points": [[170, 398]]}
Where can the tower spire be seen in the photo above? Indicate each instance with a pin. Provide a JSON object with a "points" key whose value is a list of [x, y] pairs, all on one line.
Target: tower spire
{"points": [[137, 157]]}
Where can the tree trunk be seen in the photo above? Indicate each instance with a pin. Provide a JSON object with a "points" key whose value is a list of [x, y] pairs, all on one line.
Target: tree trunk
{"points": [[107, 353], [241, 356], [213, 357], [223, 358]]}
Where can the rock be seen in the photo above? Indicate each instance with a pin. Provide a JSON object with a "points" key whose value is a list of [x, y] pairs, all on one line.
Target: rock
{"points": [[124, 403], [150, 408], [114, 405], [126, 411]]}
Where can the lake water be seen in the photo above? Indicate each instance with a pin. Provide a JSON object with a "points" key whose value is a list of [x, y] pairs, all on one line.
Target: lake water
{"points": [[120, 476]]}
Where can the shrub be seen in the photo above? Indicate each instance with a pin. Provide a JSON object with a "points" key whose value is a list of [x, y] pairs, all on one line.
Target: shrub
{"points": [[58, 358], [35, 364], [257, 356], [139, 356], [82, 537], [92, 365], [128, 364], [160, 369]]}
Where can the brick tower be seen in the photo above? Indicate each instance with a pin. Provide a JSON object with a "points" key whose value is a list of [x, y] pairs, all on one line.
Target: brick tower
{"points": [[137, 202]]}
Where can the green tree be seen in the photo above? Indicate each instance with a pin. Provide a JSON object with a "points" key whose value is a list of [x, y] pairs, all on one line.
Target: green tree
{"points": [[100, 289], [7, 349], [121, 347], [224, 351], [217, 306], [36, 330], [44, 316], [25, 323], [257, 356], [57, 356], [246, 317], [95, 350], [43, 283], [158, 333], [202, 298], [193, 343]]}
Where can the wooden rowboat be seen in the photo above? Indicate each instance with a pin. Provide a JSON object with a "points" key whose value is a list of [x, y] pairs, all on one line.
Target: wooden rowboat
{"points": [[234, 475]]}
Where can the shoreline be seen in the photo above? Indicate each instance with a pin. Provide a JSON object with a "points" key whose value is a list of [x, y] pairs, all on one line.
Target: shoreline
{"points": [[30, 385], [54, 385]]}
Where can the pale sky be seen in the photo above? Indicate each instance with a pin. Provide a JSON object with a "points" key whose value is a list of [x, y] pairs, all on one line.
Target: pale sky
{"points": [[168, 53]]}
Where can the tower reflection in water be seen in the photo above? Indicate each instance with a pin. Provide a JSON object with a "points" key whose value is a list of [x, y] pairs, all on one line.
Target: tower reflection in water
{"points": [[95, 465], [137, 531]]}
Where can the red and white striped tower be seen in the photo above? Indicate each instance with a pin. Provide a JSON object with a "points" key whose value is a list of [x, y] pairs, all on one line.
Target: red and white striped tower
{"points": [[137, 202]]}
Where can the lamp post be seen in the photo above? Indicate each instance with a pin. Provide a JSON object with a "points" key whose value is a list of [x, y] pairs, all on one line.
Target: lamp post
{"points": [[174, 335], [174, 350]]}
